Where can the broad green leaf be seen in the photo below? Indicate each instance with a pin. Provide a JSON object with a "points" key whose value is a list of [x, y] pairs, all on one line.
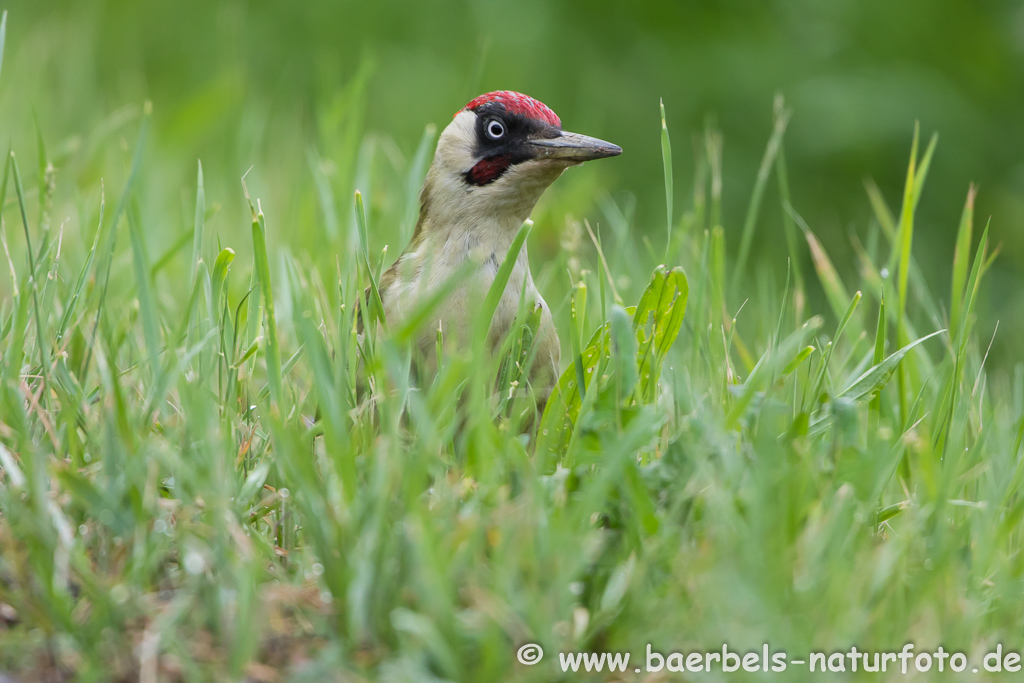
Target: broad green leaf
{"points": [[657, 321]]}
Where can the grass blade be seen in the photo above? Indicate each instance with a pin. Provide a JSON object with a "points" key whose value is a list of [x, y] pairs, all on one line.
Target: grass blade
{"points": [[666, 161], [198, 230], [41, 340], [111, 242], [3, 38], [911, 195], [961, 256], [147, 307], [835, 291], [577, 312], [414, 181], [874, 379], [497, 288], [750, 222], [375, 304], [273, 352]]}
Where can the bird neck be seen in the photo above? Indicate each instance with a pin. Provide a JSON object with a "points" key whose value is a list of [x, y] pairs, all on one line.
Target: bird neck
{"points": [[450, 240], [459, 224]]}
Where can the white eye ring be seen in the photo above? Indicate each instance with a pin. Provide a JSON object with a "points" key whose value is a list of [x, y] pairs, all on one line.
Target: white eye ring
{"points": [[495, 129]]}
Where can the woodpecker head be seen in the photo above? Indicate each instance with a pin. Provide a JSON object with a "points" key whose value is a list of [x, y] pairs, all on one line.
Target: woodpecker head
{"points": [[499, 154]]}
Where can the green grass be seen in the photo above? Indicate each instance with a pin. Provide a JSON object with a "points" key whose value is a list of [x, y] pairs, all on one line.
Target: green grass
{"points": [[205, 474]]}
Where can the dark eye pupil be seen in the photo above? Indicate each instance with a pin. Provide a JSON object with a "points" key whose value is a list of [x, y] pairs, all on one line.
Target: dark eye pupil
{"points": [[496, 129]]}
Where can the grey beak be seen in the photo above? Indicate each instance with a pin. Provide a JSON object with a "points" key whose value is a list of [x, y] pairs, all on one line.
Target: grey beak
{"points": [[573, 147]]}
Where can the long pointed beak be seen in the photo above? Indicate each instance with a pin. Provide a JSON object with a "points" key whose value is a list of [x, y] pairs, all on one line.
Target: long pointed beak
{"points": [[573, 147]]}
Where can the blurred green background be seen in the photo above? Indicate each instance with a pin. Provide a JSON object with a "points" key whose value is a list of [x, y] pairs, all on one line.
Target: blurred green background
{"points": [[275, 84]]}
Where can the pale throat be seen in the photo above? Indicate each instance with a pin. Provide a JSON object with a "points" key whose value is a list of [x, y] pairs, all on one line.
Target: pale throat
{"points": [[480, 225]]}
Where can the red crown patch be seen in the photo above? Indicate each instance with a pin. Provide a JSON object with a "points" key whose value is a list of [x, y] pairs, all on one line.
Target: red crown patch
{"points": [[517, 103]]}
